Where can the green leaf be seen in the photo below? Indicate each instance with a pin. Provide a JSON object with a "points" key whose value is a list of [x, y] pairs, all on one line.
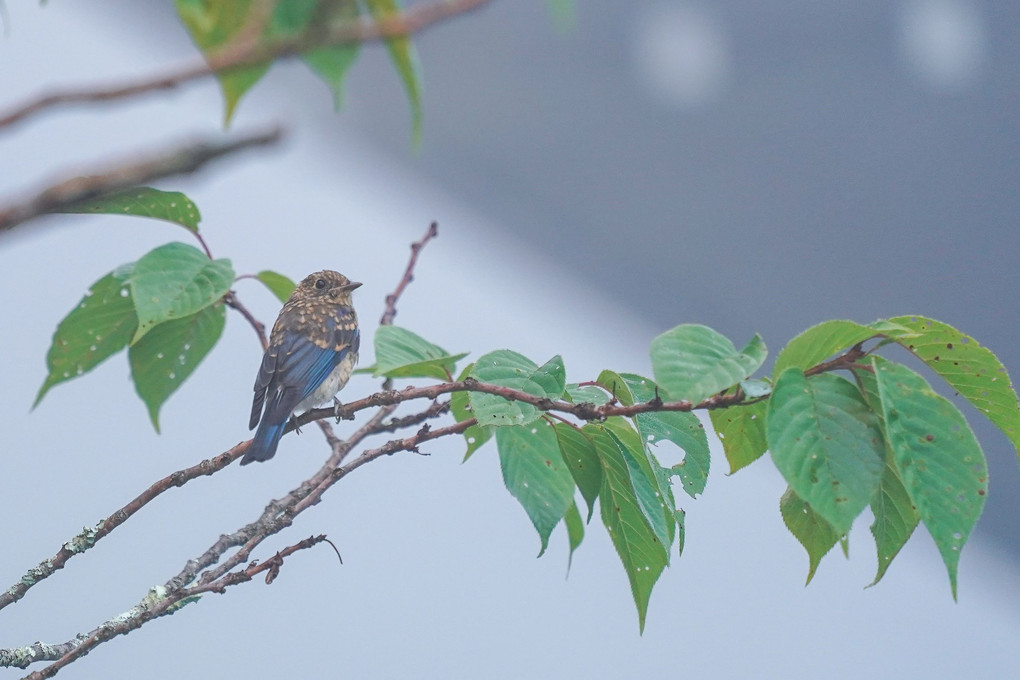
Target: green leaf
{"points": [[647, 490], [399, 353], [216, 26], [741, 430], [278, 284], [171, 206], [293, 17], [807, 526], [510, 369], [535, 474], [575, 530], [681, 530], [937, 456], [579, 454], [826, 442], [895, 518], [820, 342], [693, 362], [756, 389], [642, 554], [971, 369], [476, 435], [894, 512], [614, 383], [580, 394], [170, 352], [101, 325], [405, 58], [175, 281]]}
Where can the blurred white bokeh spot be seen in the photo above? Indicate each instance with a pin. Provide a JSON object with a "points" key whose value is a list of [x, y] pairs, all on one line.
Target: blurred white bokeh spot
{"points": [[680, 54], [944, 43]]}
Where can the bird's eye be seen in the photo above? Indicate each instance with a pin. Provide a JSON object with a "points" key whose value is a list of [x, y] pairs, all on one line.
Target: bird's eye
{"points": [[320, 283]]}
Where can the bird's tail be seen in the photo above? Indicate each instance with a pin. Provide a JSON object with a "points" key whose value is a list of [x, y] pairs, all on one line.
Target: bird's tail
{"points": [[263, 446]]}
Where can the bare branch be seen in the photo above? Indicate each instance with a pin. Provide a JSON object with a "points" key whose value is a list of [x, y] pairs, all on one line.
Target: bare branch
{"points": [[391, 299], [93, 184], [92, 535], [249, 52]]}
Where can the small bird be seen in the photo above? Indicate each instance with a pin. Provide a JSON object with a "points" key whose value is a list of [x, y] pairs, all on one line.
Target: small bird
{"points": [[312, 350]]}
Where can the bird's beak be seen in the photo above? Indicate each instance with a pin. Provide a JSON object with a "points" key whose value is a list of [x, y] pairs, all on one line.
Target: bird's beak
{"points": [[350, 286]]}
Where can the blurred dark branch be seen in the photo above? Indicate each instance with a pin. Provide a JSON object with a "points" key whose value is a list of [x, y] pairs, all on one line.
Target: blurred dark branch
{"points": [[249, 52], [92, 184]]}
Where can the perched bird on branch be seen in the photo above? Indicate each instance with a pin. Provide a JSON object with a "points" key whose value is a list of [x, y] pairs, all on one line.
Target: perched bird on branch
{"points": [[312, 350]]}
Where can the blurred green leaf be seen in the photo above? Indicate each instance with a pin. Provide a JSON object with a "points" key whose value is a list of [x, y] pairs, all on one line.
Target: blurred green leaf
{"points": [[101, 325], [937, 456], [399, 353], [826, 442], [405, 58], [694, 362], [170, 206], [535, 474], [170, 352], [278, 284], [175, 281], [216, 26]]}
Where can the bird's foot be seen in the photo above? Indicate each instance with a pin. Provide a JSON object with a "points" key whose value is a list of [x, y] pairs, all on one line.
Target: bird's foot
{"points": [[338, 411], [293, 421]]}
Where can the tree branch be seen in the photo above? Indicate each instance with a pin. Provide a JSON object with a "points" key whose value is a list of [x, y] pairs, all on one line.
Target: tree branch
{"points": [[391, 299], [248, 52], [93, 184]]}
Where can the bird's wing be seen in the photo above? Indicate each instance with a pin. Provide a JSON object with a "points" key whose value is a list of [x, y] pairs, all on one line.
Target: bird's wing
{"points": [[293, 368]]}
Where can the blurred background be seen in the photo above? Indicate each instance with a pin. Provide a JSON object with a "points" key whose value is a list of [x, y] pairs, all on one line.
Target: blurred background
{"points": [[756, 167]]}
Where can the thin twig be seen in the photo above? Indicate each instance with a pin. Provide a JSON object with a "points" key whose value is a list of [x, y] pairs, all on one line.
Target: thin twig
{"points": [[391, 299], [92, 184], [250, 52]]}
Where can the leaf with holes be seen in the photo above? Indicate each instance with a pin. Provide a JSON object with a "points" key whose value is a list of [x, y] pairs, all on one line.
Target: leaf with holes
{"points": [[937, 456], [535, 474], [826, 442], [694, 362], [971, 369], [101, 325], [170, 206], [175, 281], [168, 354]]}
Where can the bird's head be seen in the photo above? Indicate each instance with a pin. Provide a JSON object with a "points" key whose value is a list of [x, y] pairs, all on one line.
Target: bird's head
{"points": [[327, 286]]}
